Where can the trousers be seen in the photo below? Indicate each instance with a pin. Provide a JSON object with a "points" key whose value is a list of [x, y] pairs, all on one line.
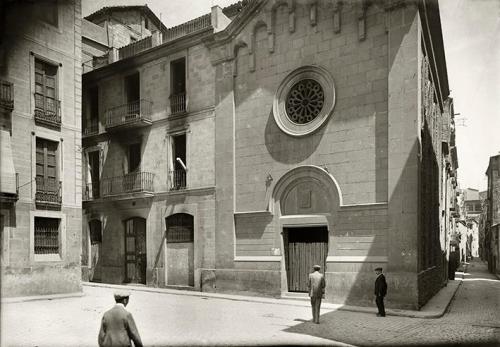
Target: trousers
{"points": [[315, 304], [380, 305]]}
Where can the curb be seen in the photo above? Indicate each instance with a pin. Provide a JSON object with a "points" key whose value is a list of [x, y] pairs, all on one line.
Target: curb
{"points": [[42, 297], [277, 301]]}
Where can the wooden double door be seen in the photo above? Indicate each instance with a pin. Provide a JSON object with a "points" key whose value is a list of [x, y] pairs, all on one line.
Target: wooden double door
{"points": [[135, 250], [304, 248]]}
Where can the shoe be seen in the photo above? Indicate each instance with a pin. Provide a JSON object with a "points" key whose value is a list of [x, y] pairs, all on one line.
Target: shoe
{"points": [[378, 315]]}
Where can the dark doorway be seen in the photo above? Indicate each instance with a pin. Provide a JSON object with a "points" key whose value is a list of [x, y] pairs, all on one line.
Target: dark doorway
{"points": [[180, 249], [94, 173], [135, 250], [304, 247], [132, 88]]}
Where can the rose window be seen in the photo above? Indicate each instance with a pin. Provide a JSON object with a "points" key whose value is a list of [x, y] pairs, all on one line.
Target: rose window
{"points": [[304, 101]]}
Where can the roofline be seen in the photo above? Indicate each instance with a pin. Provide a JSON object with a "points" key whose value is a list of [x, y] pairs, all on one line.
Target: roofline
{"points": [[143, 8]]}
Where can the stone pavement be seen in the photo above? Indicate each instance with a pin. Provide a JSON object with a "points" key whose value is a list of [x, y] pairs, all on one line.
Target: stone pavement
{"points": [[192, 318]]}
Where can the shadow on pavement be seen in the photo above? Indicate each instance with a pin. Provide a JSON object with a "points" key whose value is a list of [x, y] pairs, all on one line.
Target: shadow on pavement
{"points": [[363, 329]]}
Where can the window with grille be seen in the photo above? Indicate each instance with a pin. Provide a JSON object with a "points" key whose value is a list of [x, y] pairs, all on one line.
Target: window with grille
{"points": [[47, 235], [46, 87], [180, 228]]}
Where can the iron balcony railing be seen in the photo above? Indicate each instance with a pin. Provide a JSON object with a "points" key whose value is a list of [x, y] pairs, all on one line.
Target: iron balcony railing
{"points": [[48, 191], [135, 47], [135, 182], [91, 128], [7, 95], [177, 179], [92, 191], [178, 103], [47, 110], [127, 114]]}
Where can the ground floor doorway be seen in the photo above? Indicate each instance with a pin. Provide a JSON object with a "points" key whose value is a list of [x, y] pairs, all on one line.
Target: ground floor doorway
{"points": [[135, 251], [304, 247], [180, 249]]}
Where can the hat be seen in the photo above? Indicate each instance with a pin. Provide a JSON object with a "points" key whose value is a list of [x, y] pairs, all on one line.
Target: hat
{"points": [[121, 294], [316, 267], [378, 269]]}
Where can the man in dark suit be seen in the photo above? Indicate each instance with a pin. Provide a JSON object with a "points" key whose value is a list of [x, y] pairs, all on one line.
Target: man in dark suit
{"points": [[118, 326], [380, 291], [316, 285]]}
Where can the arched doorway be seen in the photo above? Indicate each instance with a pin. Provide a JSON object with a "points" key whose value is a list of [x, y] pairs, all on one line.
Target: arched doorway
{"points": [[135, 250], [180, 249], [305, 200]]}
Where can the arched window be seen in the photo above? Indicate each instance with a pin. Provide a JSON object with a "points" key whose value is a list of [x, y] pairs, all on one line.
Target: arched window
{"points": [[95, 231], [180, 228]]}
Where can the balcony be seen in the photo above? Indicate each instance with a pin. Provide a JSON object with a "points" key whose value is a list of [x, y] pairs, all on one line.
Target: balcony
{"points": [[136, 183], [91, 128], [92, 191], [48, 192], [178, 103], [135, 114], [177, 179], [47, 111], [6, 95]]}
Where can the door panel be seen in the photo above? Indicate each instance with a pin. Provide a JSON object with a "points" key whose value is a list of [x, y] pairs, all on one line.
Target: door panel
{"points": [[304, 247], [135, 250], [180, 250]]}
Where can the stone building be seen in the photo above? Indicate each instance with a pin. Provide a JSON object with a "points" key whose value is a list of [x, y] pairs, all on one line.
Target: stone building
{"points": [[40, 183], [242, 147], [492, 223]]}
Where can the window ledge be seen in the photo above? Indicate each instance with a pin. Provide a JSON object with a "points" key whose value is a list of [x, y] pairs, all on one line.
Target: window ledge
{"points": [[47, 257]]}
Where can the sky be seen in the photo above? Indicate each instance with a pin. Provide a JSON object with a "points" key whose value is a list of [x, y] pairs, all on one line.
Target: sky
{"points": [[471, 34]]}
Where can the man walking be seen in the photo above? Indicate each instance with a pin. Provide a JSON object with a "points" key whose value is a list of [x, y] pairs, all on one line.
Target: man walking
{"points": [[118, 326], [316, 285], [380, 291]]}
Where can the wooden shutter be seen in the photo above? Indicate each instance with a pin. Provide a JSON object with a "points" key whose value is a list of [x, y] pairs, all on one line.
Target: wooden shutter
{"points": [[45, 87], [46, 165]]}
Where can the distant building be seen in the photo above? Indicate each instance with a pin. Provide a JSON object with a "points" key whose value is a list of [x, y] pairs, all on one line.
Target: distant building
{"points": [[492, 223], [473, 209], [40, 182], [482, 223], [234, 151]]}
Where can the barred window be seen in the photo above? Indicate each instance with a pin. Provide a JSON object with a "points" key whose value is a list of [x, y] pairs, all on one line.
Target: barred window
{"points": [[180, 228], [47, 235]]}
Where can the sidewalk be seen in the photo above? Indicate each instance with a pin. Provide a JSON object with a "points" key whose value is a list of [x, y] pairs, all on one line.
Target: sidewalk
{"points": [[435, 308]]}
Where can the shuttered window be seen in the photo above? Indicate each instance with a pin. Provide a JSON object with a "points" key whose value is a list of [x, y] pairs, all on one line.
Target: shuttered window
{"points": [[95, 231], [45, 87], [47, 235], [46, 165]]}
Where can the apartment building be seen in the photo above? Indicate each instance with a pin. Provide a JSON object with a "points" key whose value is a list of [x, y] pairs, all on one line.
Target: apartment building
{"points": [[236, 150], [40, 183]]}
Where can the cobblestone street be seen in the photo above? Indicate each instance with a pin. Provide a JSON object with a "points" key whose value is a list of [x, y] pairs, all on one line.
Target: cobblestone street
{"points": [[166, 319]]}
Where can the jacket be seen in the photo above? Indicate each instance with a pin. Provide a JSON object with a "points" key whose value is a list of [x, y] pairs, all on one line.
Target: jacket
{"points": [[316, 285], [118, 328], [380, 285]]}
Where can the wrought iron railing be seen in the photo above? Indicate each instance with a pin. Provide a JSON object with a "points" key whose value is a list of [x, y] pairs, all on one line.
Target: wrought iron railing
{"points": [[6, 95], [135, 47], [129, 113], [91, 128], [47, 110], [92, 191], [48, 191], [177, 179], [178, 103], [129, 183], [192, 26]]}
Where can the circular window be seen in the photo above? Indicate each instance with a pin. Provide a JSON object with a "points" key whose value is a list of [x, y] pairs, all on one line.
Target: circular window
{"points": [[304, 100]]}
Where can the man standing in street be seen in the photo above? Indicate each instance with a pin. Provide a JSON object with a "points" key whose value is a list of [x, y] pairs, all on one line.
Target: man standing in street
{"points": [[380, 291], [118, 326], [316, 285]]}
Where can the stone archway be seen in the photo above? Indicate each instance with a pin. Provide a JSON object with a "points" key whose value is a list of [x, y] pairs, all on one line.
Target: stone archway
{"points": [[304, 202]]}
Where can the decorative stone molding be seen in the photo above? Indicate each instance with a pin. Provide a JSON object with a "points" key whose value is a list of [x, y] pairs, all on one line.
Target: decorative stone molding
{"points": [[361, 8], [298, 112], [313, 14]]}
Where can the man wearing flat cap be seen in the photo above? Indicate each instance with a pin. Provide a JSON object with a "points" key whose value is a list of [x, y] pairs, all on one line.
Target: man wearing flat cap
{"points": [[118, 326], [380, 291], [316, 285]]}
